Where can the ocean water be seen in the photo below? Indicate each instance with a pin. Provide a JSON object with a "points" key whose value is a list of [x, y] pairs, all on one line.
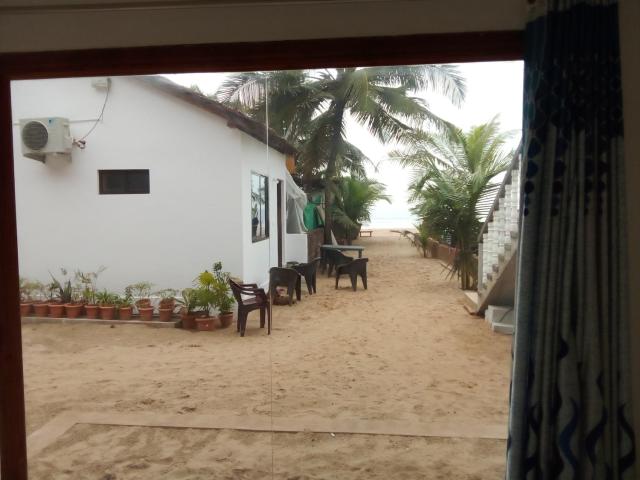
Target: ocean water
{"points": [[391, 223]]}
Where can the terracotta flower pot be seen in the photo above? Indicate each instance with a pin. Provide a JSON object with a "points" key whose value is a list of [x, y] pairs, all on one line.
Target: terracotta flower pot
{"points": [[207, 324], [73, 309], [107, 312], [188, 320], [125, 313], [25, 309], [143, 303], [226, 319], [41, 309], [56, 310], [146, 313], [167, 303], [91, 311], [165, 314]]}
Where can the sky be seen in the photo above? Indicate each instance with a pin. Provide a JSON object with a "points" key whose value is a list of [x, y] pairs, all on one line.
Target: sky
{"points": [[493, 88]]}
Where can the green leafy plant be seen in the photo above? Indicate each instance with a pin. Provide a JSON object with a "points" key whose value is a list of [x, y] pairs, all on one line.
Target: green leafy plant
{"points": [[190, 300], [106, 298], [141, 292], [44, 291], [354, 201], [27, 289], [213, 291], [64, 290], [454, 180], [86, 284], [167, 297], [421, 238], [124, 301]]}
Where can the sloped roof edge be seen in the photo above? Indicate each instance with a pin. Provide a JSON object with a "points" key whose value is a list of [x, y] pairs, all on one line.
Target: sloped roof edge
{"points": [[234, 118]]}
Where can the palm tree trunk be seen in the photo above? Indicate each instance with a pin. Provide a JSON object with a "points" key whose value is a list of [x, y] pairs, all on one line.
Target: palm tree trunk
{"points": [[331, 171]]}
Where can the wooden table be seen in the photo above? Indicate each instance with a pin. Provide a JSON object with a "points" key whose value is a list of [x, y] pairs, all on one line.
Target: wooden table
{"points": [[370, 233], [342, 248]]}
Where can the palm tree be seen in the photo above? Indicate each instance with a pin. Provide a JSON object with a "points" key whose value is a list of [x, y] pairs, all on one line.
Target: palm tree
{"points": [[422, 238], [354, 200], [453, 182], [310, 108]]}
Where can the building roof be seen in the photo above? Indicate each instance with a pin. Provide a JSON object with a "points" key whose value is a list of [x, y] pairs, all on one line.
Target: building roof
{"points": [[234, 118]]}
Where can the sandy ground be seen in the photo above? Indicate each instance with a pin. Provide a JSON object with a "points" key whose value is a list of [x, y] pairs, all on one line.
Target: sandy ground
{"points": [[404, 350]]}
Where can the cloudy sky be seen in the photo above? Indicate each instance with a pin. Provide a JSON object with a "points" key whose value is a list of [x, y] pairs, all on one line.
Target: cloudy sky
{"points": [[493, 88]]}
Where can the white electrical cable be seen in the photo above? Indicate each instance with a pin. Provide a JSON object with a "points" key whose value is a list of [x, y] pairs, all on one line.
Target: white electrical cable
{"points": [[81, 143]]}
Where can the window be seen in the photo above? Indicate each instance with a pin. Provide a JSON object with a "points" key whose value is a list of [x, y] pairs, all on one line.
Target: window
{"points": [[119, 182], [259, 207]]}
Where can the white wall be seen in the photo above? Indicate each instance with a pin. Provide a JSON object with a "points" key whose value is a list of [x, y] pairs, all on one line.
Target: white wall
{"points": [[191, 218], [261, 255]]}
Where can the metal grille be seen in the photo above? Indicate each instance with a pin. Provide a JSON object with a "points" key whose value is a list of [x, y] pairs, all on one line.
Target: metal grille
{"points": [[35, 135]]}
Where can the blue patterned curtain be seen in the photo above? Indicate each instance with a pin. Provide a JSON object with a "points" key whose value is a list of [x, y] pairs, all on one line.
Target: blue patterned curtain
{"points": [[570, 399]]}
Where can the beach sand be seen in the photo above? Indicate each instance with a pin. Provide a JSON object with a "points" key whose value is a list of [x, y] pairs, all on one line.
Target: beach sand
{"points": [[405, 350]]}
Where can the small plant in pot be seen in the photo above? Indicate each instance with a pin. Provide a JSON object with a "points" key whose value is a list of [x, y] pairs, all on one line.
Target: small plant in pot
{"points": [[107, 304], [214, 294], [224, 298], [167, 303], [86, 283], [125, 306], [43, 292], [27, 290], [141, 291], [206, 301], [189, 304], [63, 291]]}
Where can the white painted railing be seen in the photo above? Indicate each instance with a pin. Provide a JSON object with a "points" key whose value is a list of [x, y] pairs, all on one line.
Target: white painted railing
{"points": [[498, 238]]}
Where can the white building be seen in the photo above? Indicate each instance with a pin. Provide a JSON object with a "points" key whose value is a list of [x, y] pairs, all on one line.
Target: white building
{"points": [[162, 189]]}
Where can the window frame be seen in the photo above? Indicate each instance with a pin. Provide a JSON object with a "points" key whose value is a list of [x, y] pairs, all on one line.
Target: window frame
{"points": [[266, 235], [102, 190]]}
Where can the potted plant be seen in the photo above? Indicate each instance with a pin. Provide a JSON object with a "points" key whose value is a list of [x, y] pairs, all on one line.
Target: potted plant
{"points": [[27, 289], [125, 306], [141, 292], [86, 283], [63, 291], [206, 295], [167, 303], [224, 298], [214, 294], [189, 303], [107, 304], [75, 306], [41, 307]]}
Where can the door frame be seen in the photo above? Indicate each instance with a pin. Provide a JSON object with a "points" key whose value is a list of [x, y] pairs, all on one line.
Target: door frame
{"points": [[220, 57], [280, 216]]}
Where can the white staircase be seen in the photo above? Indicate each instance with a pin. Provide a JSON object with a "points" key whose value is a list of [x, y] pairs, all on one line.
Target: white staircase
{"points": [[497, 246]]}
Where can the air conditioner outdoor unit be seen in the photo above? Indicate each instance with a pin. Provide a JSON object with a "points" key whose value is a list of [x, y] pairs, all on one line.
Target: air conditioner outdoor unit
{"points": [[43, 137]]}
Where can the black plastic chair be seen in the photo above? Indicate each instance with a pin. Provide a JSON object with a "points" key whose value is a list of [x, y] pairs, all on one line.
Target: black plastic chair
{"points": [[257, 300], [357, 267], [335, 258], [308, 271], [284, 277]]}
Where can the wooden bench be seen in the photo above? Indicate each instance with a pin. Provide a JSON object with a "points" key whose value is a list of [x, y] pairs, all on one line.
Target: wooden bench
{"points": [[362, 233]]}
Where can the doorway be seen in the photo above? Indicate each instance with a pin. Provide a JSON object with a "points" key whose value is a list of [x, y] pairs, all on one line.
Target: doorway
{"points": [[280, 217]]}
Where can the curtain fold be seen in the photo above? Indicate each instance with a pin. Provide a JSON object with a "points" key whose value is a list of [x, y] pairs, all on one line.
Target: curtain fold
{"points": [[570, 414]]}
